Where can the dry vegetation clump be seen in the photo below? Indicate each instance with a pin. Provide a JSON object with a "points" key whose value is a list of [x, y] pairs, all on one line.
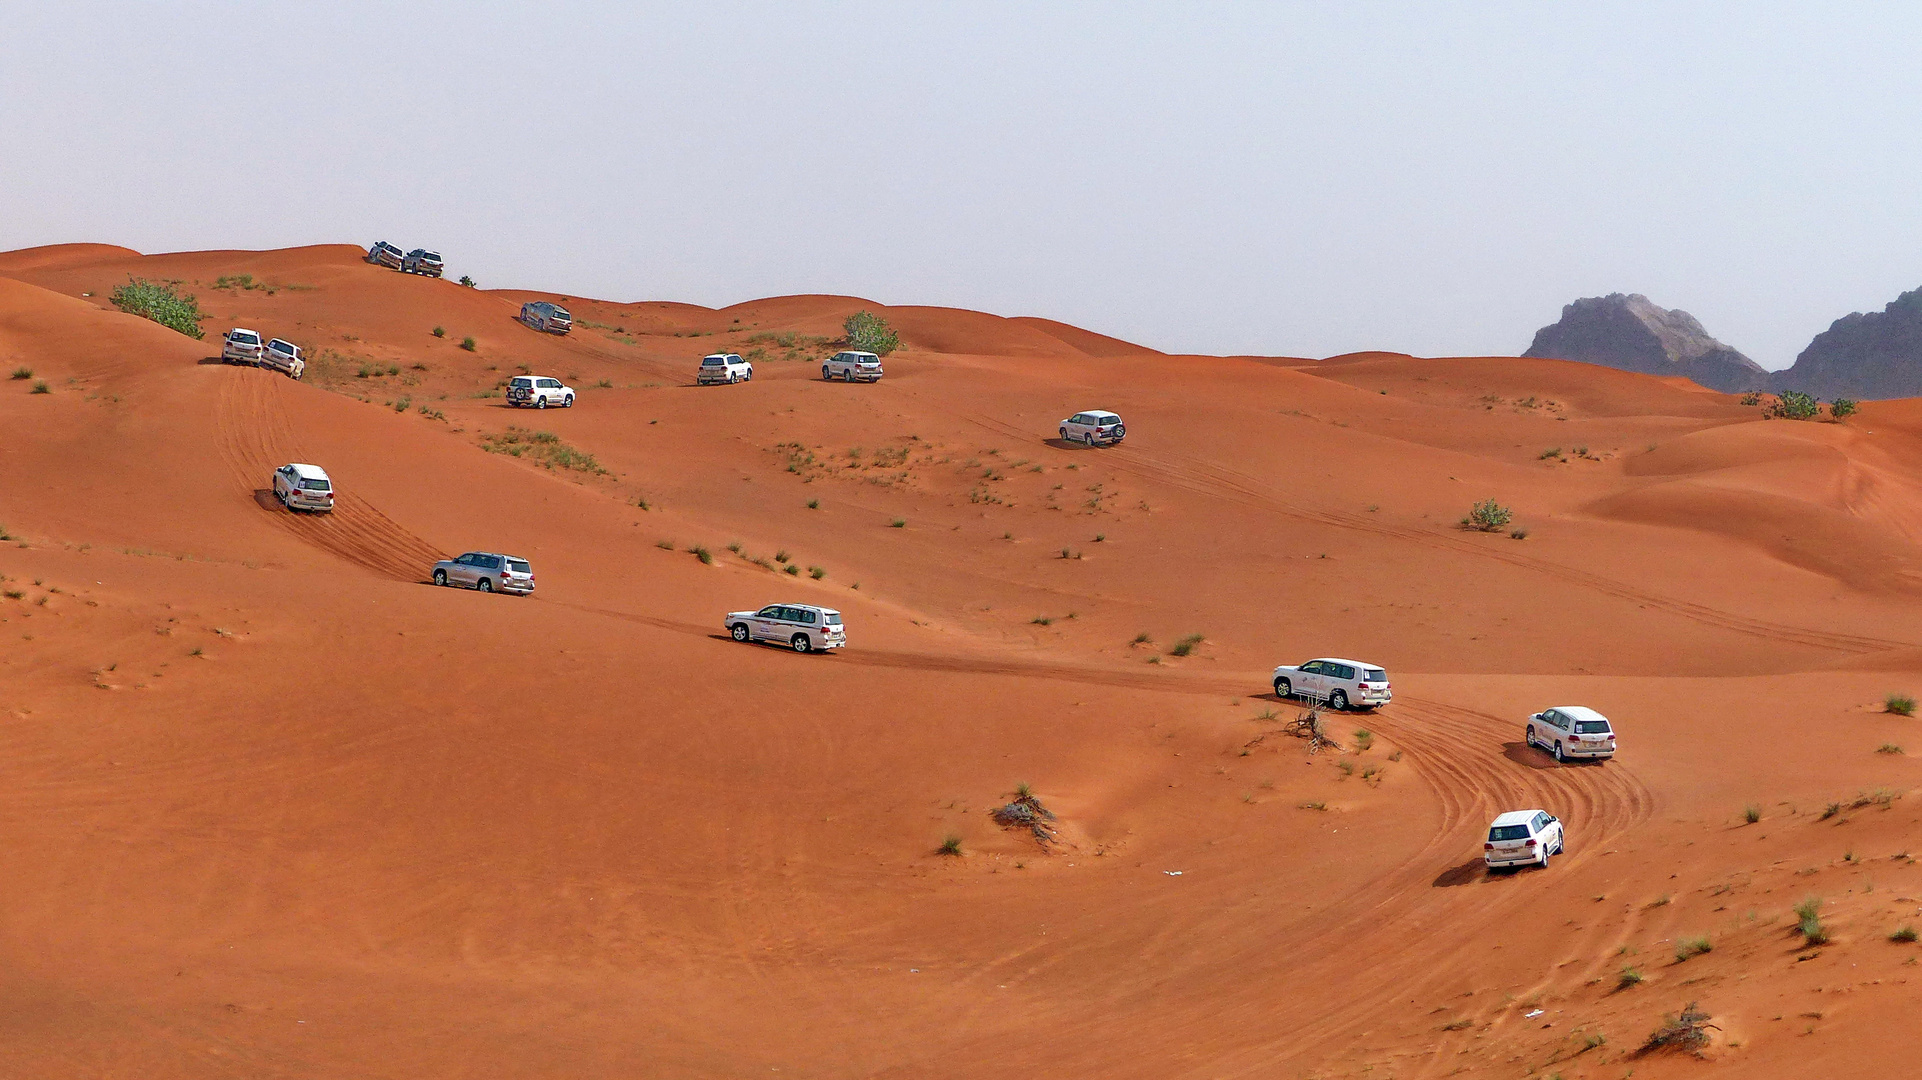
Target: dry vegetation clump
{"points": [[1026, 812], [1488, 516], [1687, 1030], [544, 448]]}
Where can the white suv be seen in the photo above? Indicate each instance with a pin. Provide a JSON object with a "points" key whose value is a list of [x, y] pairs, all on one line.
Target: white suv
{"points": [[1340, 683], [487, 571], [1096, 428], [243, 345], [849, 366], [284, 356], [1520, 837], [1572, 731], [538, 391], [303, 487], [723, 368], [803, 627]]}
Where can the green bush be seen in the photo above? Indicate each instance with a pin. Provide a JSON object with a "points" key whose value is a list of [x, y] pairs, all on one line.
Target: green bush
{"points": [[23, 373], [1488, 516], [1899, 704], [1751, 398], [1794, 405], [1842, 408], [467, 281], [159, 302], [468, 344], [440, 331], [41, 387], [870, 333], [1186, 645]]}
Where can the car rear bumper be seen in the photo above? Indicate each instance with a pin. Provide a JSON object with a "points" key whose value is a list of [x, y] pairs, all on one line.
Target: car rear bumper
{"points": [[1588, 751], [1520, 860], [309, 504], [518, 588]]}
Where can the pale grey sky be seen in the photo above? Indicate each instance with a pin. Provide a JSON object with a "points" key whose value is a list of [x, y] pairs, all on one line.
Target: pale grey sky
{"points": [[1303, 179]]}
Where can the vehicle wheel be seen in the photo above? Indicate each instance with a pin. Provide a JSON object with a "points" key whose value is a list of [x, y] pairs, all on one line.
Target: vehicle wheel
{"points": [[1531, 739], [826, 375], [540, 402], [1559, 756], [1284, 689], [802, 643], [1544, 856], [485, 585], [1064, 435], [567, 402], [440, 577], [1338, 701], [739, 630]]}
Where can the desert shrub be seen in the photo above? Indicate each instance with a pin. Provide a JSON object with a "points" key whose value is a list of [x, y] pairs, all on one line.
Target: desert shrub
{"points": [[1888, 748], [898, 523], [403, 404], [467, 281], [870, 333], [1808, 921], [543, 448], [1142, 638], [1686, 1030], [949, 846], [1689, 947], [1551, 452], [1488, 516], [1628, 977], [817, 572], [702, 553], [1364, 739], [1751, 398], [1751, 813], [664, 545], [440, 331], [1518, 534], [41, 387], [1794, 405], [1899, 704], [469, 344], [1903, 933], [23, 373], [158, 301], [1042, 620], [1842, 408], [814, 504], [1186, 645]]}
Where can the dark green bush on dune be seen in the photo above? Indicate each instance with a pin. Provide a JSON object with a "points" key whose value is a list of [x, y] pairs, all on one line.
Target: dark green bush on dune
{"points": [[158, 301]]}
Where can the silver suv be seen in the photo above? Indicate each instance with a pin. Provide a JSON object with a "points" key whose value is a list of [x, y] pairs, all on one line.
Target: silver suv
{"points": [[384, 254], [487, 571], [546, 317], [849, 366], [801, 627], [421, 261]]}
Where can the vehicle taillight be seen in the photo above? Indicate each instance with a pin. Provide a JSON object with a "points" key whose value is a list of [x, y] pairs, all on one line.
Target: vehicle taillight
{"points": [[1529, 843], [1488, 847]]}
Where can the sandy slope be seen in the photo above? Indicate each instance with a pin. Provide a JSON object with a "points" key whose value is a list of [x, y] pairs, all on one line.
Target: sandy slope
{"points": [[271, 806]]}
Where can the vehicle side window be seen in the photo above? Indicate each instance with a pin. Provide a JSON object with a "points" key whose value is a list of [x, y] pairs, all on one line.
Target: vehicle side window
{"points": [[769, 612], [1540, 822], [492, 562], [1343, 671], [1556, 718], [806, 616]]}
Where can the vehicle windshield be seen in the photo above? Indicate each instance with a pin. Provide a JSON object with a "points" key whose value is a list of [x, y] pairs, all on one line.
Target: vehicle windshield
{"points": [[1591, 727], [519, 567], [315, 485], [561, 313], [1374, 674], [1508, 832], [833, 619], [246, 339]]}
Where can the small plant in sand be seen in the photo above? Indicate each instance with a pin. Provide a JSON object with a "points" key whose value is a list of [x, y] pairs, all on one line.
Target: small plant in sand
{"points": [[469, 344], [817, 572], [1142, 638], [1751, 813], [1808, 921], [792, 570], [1687, 1030], [1518, 534], [23, 373], [814, 504], [1793, 405], [898, 523], [41, 387], [1026, 812], [1186, 645], [158, 301], [1903, 934], [1488, 516], [1041, 620], [1364, 739], [466, 281], [1627, 978], [1751, 398], [1888, 748], [544, 448], [1692, 947], [949, 846], [1899, 704], [1842, 408], [664, 545], [870, 333], [701, 552], [440, 331]]}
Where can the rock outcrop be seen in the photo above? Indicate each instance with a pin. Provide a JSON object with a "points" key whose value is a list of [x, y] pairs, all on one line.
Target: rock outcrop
{"points": [[1630, 333], [1877, 355]]}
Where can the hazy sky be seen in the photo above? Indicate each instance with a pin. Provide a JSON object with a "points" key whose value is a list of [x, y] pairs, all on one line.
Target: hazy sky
{"points": [[1302, 179]]}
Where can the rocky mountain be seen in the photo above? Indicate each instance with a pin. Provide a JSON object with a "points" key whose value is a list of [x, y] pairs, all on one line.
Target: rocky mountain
{"points": [[1877, 355], [1633, 334]]}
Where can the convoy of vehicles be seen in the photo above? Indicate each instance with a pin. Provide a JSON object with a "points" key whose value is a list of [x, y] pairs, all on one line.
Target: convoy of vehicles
{"points": [[1572, 731], [801, 627], [723, 368], [546, 317], [421, 261], [303, 487], [852, 367], [284, 357], [488, 571], [1094, 428], [1521, 837], [241, 346], [538, 392], [1339, 683]]}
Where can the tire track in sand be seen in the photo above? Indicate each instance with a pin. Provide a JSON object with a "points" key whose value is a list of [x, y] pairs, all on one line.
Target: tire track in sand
{"points": [[256, 436]]}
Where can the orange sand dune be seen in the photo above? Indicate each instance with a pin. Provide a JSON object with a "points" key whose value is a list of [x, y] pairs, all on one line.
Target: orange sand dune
{"points": [[272, 805]]}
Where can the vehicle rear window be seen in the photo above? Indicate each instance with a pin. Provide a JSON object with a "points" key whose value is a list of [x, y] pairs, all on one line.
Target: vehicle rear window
{"points": [[1508, 832], [247, 339], [1374, 674], [712, 361], [315, 485], [1591, 727], [523, 382], [834, 620], [519, 567]]}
